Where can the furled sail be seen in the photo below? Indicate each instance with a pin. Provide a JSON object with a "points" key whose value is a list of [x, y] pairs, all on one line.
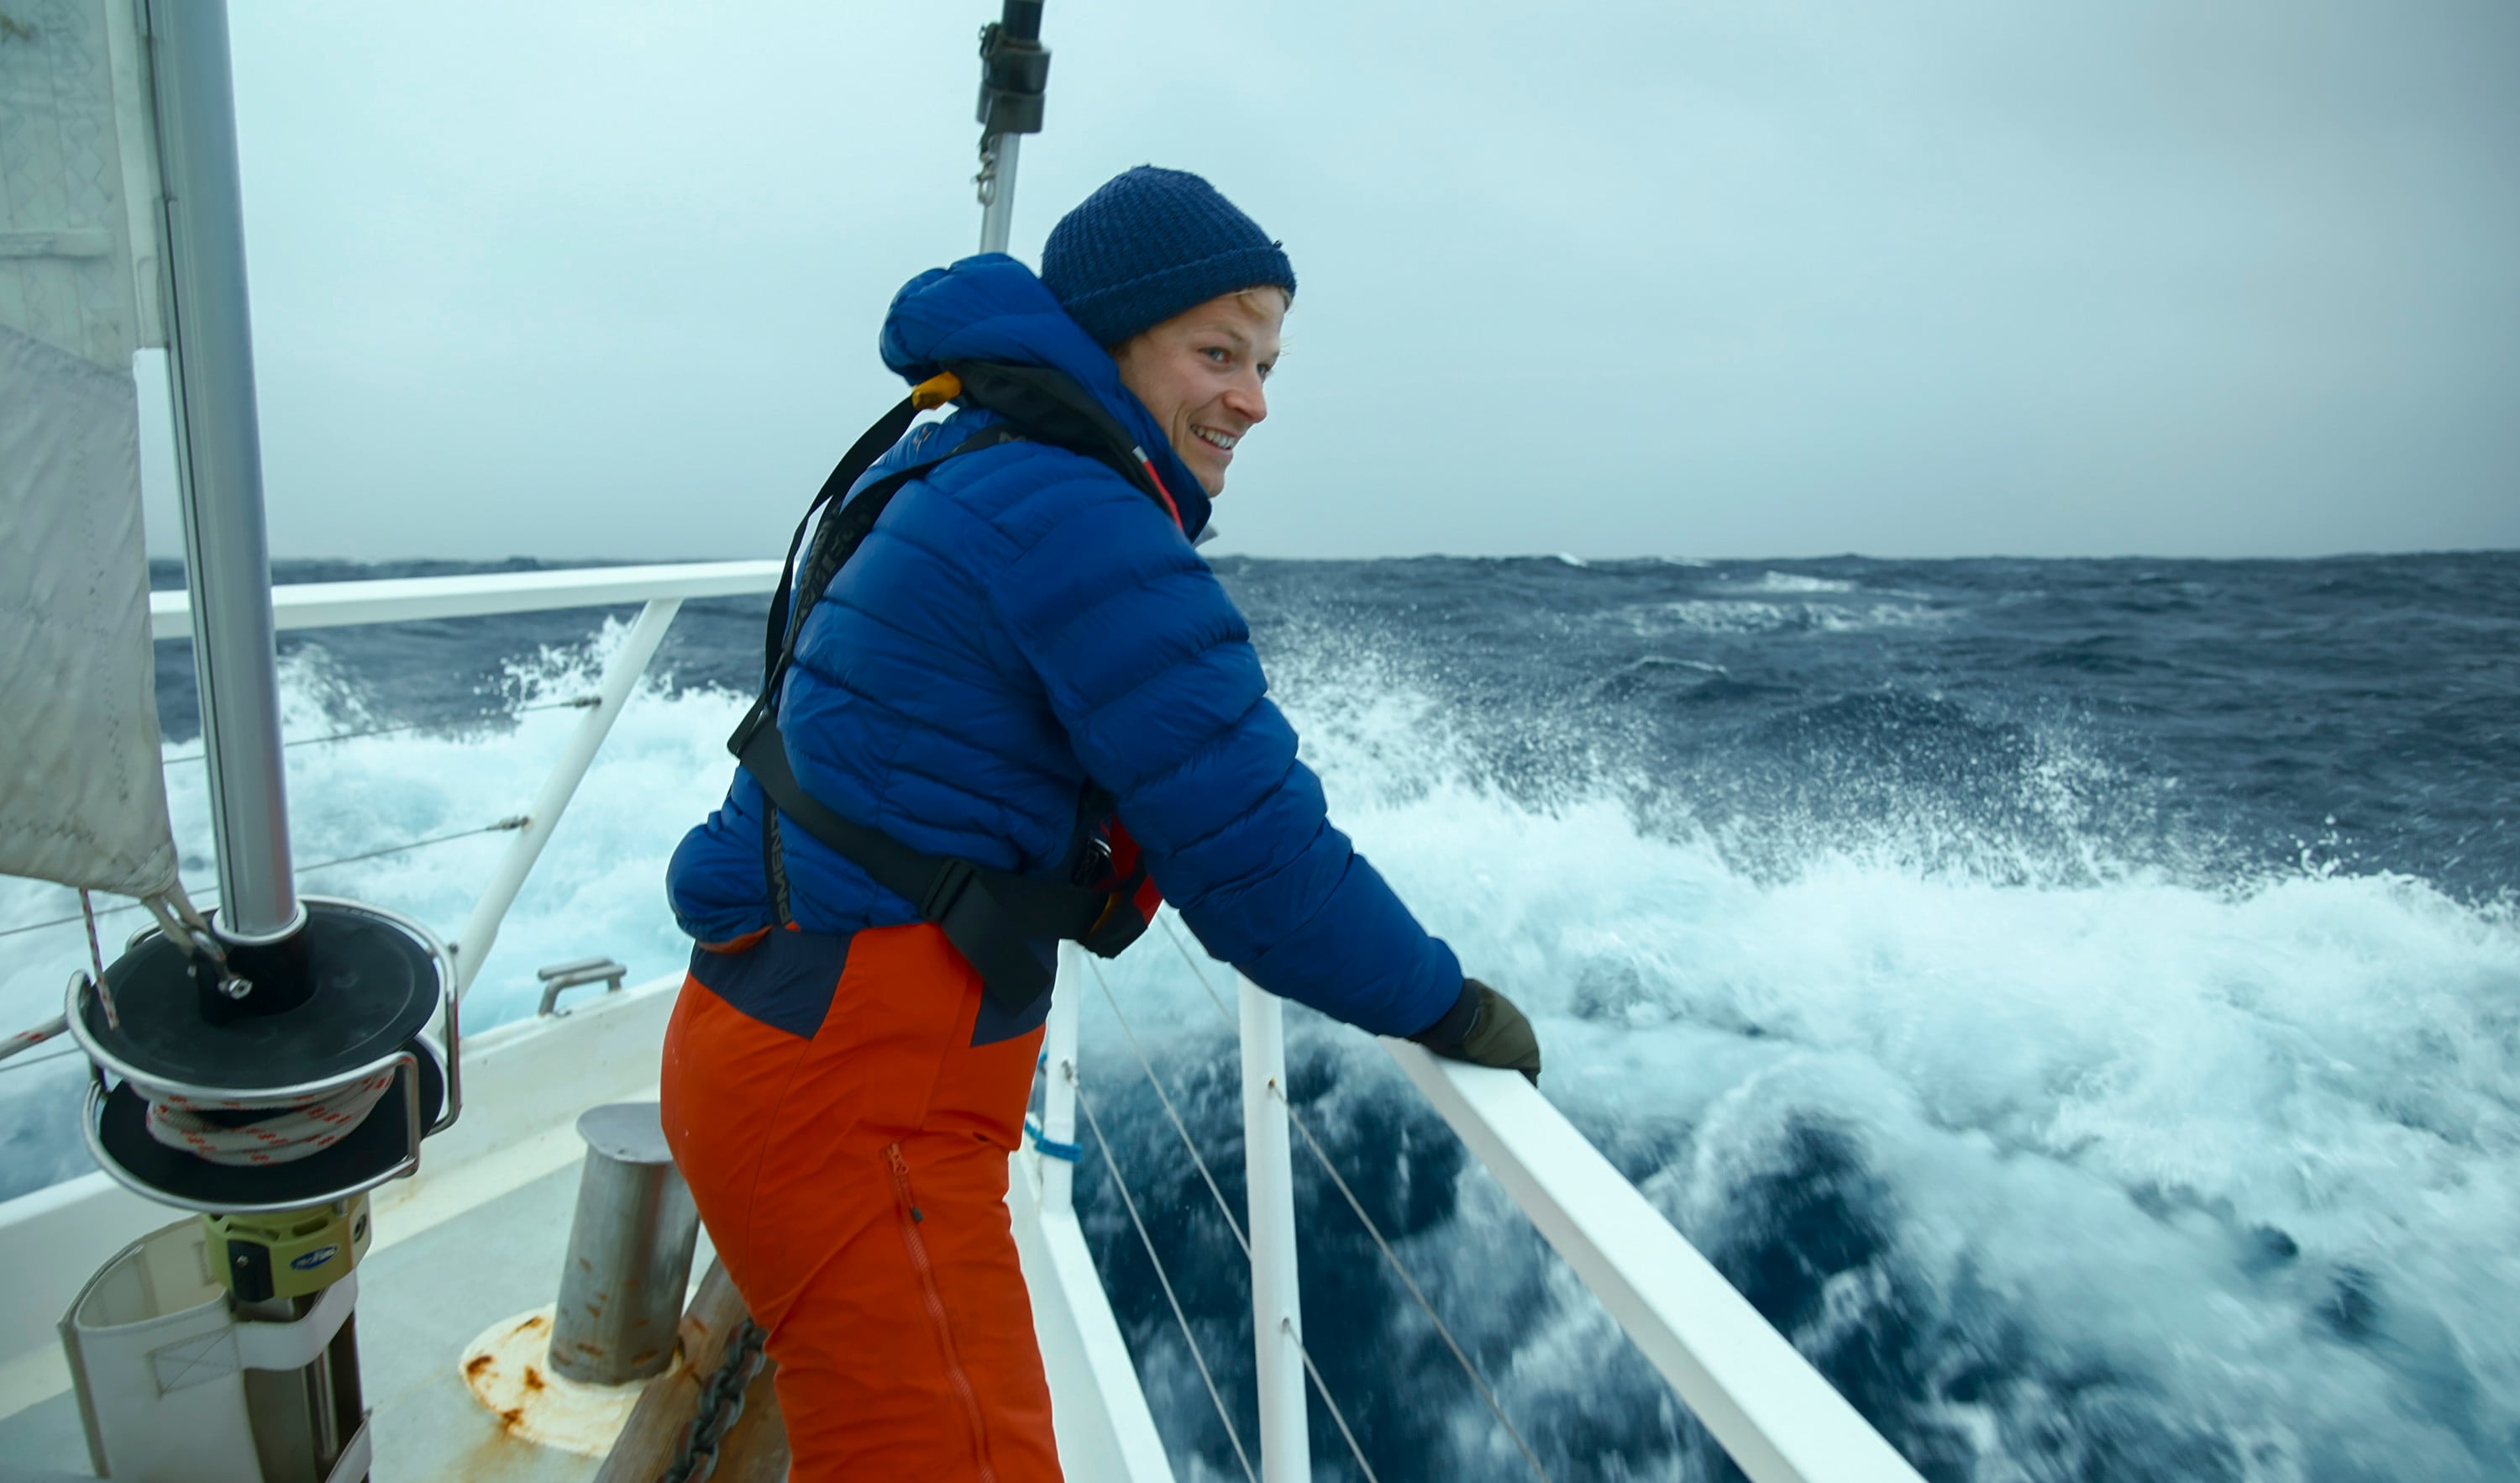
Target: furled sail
{"points": [[82, 799]]}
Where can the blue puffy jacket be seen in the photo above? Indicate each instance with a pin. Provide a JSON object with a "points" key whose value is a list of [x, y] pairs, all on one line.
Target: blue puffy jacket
{"points": [[1023, 620]]}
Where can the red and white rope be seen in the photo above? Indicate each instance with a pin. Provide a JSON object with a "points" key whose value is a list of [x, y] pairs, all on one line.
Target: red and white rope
{"points": [[28, 1040], [282, 1130], [293, 1129]]}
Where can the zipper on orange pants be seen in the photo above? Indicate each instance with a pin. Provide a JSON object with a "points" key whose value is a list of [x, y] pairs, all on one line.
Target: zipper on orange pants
{"points": [[911, 1218]]}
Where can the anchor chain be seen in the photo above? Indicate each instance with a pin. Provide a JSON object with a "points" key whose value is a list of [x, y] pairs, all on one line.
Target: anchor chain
{"points": [[720, 1406]]}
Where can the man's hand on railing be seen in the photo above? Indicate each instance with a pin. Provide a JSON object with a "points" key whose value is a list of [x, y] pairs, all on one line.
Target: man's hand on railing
{"points": [[1485, 1029]]}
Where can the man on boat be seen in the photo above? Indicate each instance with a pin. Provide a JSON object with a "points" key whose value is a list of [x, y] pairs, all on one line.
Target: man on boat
{"points": [[1025, 667]]}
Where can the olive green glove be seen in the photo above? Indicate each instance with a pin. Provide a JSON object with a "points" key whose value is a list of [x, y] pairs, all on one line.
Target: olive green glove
{"points": [[1485, 1029]]}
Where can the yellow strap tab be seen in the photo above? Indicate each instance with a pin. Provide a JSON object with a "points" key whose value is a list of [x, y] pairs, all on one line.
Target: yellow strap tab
{"points": [[936, 392]]}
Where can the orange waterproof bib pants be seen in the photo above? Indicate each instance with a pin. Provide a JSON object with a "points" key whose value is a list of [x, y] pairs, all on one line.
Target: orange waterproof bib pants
{"points": [[854, 1179]]}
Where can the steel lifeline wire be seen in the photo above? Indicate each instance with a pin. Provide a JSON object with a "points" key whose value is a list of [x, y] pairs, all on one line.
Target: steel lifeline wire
{"points": [[580, 702], [1487, 1393], [1195, 971], [508, 825], [1321, 1386], [1470, 1369], [1131, 1035], [49, 1058], [1084, 1105], [290, 1128]]}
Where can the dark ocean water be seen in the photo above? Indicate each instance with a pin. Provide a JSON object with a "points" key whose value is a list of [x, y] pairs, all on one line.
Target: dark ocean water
{"points": [[2079, 1001], [2228, 716]]}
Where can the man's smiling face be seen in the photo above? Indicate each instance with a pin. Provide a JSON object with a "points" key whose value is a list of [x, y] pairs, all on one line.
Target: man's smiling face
{"points": [[1200, 373]]}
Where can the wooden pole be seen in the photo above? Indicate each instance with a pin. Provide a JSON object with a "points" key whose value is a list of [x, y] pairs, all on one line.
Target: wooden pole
{"points": [[754, 1451]]}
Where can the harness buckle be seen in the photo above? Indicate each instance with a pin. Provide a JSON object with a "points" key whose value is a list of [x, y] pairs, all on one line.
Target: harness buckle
{"points": [[764, 711], [946, 889]]}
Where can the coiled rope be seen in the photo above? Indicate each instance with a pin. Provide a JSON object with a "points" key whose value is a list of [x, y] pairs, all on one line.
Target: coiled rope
{"points": [[245, 1130], [238, 1132], [294, 1128], [288, 1129]]}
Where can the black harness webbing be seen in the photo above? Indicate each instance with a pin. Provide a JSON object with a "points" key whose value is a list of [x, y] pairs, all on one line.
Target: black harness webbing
{"points": [[993, 917]]}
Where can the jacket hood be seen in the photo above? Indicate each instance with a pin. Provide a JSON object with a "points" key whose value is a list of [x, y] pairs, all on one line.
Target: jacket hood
{"points": [[993, 308]]}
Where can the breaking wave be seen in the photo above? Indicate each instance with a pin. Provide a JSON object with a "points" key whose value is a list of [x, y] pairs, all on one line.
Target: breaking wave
{"points": [[2077, 1121], [2060, 1169]]}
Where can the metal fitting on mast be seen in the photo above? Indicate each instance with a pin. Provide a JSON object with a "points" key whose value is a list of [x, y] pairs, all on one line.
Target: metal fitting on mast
{"points": [[1014, 81]]}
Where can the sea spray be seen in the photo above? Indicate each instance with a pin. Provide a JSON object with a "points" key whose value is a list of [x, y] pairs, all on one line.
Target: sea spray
{"points": [[2112, 1181], [596, 889], [2083, 1015]]}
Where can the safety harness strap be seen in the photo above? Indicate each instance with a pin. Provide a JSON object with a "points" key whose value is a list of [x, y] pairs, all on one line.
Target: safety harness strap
{"points": [[870, 445], [993, 917]]}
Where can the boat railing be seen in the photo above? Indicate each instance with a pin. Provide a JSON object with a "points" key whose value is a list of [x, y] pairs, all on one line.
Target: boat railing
{"points": [[660, 590], [1777, 1417]]}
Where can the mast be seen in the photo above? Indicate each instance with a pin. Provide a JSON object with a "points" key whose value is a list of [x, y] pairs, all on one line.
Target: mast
{"points": [[271, 1070], [227, 559], [1014, 76]]}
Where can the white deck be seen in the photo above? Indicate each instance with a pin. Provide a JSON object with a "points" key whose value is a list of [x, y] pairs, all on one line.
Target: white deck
{"points": [[479, 1236]]}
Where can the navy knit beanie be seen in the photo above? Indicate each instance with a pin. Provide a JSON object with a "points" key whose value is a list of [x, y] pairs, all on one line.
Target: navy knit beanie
{"points": [[1150, 243]]}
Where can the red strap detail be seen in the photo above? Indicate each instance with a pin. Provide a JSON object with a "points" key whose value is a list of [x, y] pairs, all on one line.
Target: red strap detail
{"points": [[1170, 508], [1124, 849], [1127, 859]]}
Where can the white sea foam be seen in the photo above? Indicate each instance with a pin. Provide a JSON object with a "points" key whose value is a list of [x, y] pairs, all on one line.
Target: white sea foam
{"points": [[2093, 1105], [2254, 1146], [1795, 581], [1746, 615]]}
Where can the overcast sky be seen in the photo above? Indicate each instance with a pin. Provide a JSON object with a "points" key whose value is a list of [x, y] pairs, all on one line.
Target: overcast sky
{"points": [[1681, 278]]}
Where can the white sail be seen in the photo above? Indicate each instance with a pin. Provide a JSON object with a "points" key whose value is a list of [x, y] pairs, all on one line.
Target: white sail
{"points": [[84, 800]]}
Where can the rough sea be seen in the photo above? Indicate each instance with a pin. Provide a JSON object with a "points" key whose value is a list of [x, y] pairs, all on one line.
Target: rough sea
{"points": [[2077, 1001]]}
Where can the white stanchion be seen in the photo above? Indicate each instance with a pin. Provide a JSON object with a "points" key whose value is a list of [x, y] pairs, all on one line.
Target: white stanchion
{"points": [[1277, 1310], [482, 928], [1059, 1083]]}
